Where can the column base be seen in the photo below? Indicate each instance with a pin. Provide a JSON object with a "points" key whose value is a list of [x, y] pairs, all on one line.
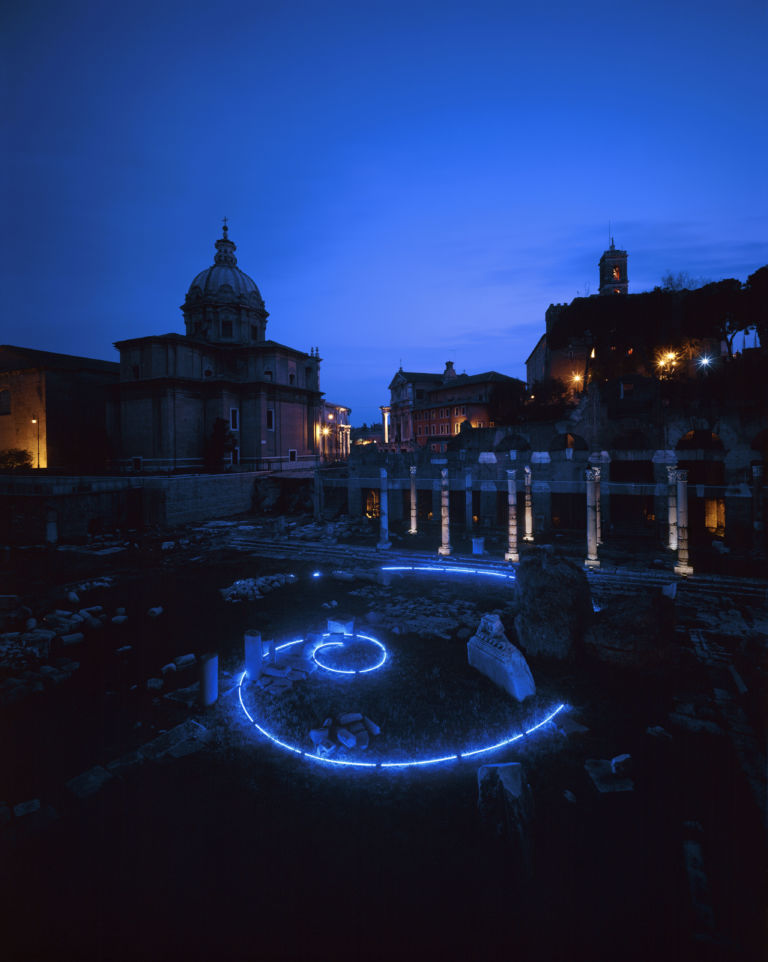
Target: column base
{"points": [[512, 556], [527, 537], [382, 545], [683, 569], [591, 563], [444, 550], [413, 531]]}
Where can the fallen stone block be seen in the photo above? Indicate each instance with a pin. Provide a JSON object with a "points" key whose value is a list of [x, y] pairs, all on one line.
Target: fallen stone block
{"points": [[123, 650], [26, 808], [350, 716], [119, 619], [505, 804], [74, 639], [89, 782], [275, 671], [167, 669], [346, 737], [155, 684], [496, 657], [621, 765], [155, 612], [125, 762], [184, 661], [279, 686], [372, 727], [319, 735], [604, 779], [173, 740]]}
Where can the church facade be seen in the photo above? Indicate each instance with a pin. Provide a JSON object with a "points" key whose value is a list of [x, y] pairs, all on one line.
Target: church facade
{"points": [[221, 393]]}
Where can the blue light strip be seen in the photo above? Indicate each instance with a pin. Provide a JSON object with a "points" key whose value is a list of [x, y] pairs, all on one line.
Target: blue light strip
{"points": [[409, 763], [453, 569], [340, 644]]}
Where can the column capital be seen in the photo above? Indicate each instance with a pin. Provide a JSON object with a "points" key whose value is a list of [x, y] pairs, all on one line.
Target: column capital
{"points": [[412, 470], [511, 472], [383, 474], [527, 470], [681, 475], [589, 475], [671, 473], [596, 472], [444, 473]]}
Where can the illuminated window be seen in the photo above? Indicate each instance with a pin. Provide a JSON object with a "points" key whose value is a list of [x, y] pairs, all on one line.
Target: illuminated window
{"points": [[457, 427], [617, 273]]}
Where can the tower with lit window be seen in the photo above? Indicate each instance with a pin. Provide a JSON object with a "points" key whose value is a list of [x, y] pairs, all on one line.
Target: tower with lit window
{"points": [[613, 271]]}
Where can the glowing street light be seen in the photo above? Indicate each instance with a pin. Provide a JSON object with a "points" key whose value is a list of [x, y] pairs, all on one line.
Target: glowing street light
{"points": [[37, 422], [705, 361]]}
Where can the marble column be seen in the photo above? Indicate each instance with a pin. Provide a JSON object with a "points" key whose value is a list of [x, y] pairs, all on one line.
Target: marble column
{"points": [[591, 559], [598, 511], [672, 507], [445, 518], [528, 536], [511, 553], [384, 541], [468, 500], [683, 566], [413, 529]]}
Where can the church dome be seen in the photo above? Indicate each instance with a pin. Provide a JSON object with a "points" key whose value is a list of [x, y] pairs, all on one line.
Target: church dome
{"points": [[223, 304], [223, 280]]}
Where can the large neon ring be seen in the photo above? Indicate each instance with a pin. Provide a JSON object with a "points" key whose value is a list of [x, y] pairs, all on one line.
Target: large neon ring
{"points": [[340, 644], [411, 763], [416, 762]]}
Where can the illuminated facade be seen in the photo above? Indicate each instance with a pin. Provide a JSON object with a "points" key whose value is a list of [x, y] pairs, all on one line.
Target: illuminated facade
{"points": [[334, 432], [52, 406], [222, 392], [427, 410]]}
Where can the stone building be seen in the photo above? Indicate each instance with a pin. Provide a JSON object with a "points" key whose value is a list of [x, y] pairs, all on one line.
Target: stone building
{"points": [[335, 433], [53, 407], [221, 391], [427, 410]]}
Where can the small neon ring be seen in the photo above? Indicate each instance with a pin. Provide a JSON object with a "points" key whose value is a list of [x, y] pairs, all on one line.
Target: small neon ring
{"points": [[340, 644]]}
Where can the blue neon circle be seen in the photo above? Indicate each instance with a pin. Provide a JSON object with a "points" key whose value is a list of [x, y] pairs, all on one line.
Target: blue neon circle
{"points": [[340, 644], [416, 762]]}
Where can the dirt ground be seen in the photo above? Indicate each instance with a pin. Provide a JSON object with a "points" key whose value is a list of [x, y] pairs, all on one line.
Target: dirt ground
{"points": [[243, 851]]}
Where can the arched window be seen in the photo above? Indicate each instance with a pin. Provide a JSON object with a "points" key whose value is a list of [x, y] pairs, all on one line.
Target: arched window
{"points": [[5, 402]]}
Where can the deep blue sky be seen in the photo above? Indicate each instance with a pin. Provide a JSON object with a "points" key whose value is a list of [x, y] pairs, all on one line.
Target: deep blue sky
{"points": [[408, 182]]}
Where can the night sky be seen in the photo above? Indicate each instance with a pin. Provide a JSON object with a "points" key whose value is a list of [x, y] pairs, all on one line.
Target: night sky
{"points": [[405, 182]]}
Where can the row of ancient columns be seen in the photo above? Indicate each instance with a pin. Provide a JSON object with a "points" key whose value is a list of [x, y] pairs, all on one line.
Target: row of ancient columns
{"points": [[445, 515], [677, 514]]}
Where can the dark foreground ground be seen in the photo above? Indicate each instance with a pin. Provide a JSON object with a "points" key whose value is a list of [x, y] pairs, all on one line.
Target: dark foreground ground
{"points": [[241, 851]]}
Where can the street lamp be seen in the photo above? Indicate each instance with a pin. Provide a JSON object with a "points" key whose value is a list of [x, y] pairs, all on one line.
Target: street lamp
{"points": [[37, 422]]}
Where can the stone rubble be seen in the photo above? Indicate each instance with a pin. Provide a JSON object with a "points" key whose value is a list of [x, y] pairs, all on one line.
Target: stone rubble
{"points": [[346, 731], [250, 589], [490, 652]]}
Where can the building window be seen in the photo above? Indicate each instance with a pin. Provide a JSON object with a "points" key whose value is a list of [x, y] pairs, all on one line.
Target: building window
{"points": [[291, 378], [226, 328], [254, 332], [617, 273], [135, 371], [235, 455], [308, 376], [5, 402], [234, 419], [292, 454], [270, 419], [419, 394], [267, 375], [457, 427]]}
